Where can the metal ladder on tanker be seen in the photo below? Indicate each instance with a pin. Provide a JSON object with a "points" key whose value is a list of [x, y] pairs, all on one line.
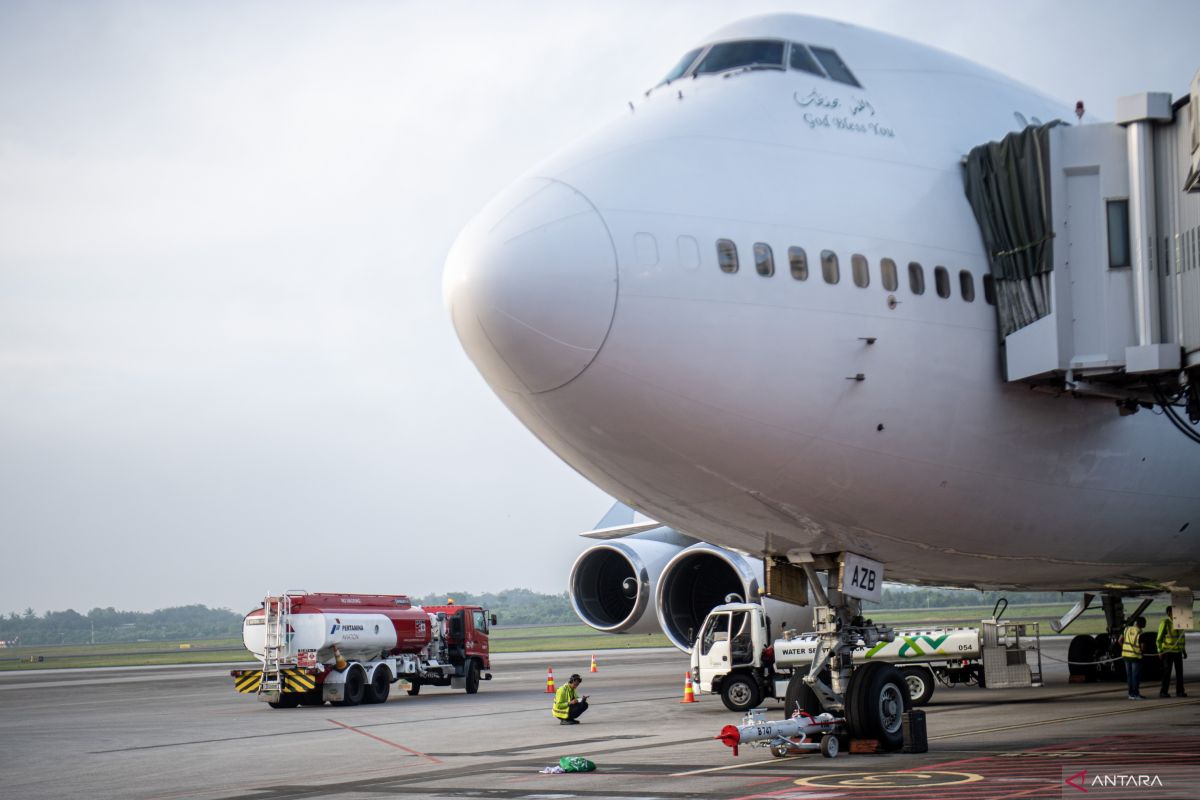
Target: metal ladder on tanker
{"points": [[276, 615]]}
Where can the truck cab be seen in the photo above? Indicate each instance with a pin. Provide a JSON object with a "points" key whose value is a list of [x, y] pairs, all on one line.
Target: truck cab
{"points": [[729, 656]]}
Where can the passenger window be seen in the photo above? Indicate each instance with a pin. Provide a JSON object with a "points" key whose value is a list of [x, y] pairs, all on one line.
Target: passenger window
{"points": [[989, 290], [727, 256], [860, 271], [941, 281], [916, 278], [731, 55], [803, 60], [966, 285], [829, 266], [834, 66], [764, 260], [887, 271], [646, 247], [688, 250], [798, 261]]}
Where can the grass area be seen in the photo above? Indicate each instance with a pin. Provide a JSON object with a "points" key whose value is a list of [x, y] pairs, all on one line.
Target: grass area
{"points": [[515, 640]]}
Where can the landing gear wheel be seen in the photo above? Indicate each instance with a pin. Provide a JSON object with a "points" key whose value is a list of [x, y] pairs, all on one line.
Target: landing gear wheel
{"points": [[1151, 663], [829, 746], [380, 687], [472, 676], [875, 702], [740, 693], [920, 684], [1082, 648], [286, 700], [354, 688], [801, 697], [414, 687]]}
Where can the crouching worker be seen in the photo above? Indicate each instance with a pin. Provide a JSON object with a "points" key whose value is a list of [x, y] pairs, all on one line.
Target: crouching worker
{"points": [[568, 705]]}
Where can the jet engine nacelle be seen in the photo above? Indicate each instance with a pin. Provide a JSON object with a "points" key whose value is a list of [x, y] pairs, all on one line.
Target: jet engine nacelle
{"points": [[613, 583], [702, 577]]}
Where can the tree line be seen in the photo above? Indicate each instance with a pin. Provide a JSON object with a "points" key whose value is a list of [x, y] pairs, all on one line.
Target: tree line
{"points": [[512, 606]]}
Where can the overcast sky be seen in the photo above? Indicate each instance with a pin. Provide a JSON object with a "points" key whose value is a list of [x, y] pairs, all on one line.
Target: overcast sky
{"points": [[225, 366]]}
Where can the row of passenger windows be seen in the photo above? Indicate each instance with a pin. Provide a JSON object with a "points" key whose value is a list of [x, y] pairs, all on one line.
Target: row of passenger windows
{"points": [[860, 271]]}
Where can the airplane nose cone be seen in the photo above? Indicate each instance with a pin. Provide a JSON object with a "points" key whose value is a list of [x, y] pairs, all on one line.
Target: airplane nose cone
{"points": [[531, 286]]}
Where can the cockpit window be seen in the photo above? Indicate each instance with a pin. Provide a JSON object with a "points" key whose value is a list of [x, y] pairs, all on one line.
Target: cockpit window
{"points": [[750, 53], [834, 65], [803, 60], [681, 68]]}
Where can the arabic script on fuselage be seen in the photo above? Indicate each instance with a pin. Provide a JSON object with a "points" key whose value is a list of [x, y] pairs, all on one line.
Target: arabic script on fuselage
{"points": [[822, 112]]}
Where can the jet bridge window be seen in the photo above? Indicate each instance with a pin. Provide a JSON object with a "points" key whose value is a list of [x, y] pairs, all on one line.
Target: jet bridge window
{"points": [[916, 278], [749, 53], [860, 271], [887, 272], [834, 66], [966, 285], [941, 281], [727, 256], [764, 260], [1118, 233], [798, 261], [680, 69], [829, 266]]}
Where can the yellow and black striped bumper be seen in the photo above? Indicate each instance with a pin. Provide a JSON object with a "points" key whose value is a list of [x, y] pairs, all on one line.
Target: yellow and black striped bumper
{"points": [[294, 680]]}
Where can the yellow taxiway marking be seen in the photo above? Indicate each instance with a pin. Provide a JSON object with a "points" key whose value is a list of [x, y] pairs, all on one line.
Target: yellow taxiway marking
{"points": [[1134, 710]]}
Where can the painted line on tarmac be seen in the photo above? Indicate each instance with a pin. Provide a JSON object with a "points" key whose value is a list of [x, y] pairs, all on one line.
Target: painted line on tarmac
{"points": [[388, 742], [1057, 720], [743, 765]]}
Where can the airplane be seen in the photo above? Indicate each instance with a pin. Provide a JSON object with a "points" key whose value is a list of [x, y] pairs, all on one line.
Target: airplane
{"points": [[714, 309]]}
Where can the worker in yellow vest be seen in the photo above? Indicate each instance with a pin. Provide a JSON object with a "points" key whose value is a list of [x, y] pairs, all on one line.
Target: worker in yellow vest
{"points": [[1172, 649], [567, 704], [1131, 651]]}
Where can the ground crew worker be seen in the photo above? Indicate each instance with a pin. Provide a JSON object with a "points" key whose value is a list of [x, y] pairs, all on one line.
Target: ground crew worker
{"points": [[567, 704], [1131, 651], [1172, 649]]}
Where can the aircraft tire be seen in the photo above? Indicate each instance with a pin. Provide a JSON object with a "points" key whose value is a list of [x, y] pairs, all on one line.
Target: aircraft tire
{"points": [[875, 702], [1082, 648], [800, 696]]}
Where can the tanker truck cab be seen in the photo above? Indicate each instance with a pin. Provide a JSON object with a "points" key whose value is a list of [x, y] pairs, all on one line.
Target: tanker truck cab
{"points": [[348, 649], [730, 657]]}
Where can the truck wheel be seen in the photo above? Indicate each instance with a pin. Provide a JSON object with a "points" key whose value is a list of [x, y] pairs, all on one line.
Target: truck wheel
{"points": [[472, 676], [313, 697], [920, 684], [286, 700], [800, 697], [876, 699], [414, 687], [740, 693], [354, 688], [380, 687]]}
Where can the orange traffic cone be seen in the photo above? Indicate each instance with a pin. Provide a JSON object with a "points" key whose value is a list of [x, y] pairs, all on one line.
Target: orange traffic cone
{"points": [[549, 680], [594, 663], [689, 694]]}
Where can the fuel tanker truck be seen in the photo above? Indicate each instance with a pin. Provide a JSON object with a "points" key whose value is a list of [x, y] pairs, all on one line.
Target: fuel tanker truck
{"points": [[348, 649]]}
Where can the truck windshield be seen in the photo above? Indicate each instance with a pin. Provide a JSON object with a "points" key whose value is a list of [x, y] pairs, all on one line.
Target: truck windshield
{"points": [[750, 53]]}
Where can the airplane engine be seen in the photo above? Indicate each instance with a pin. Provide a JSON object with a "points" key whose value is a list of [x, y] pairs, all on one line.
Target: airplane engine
{"points": [[613, 583], [701, 577]]}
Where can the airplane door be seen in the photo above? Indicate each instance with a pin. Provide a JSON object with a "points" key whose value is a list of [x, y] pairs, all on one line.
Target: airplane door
{"points": [[713, 655]]}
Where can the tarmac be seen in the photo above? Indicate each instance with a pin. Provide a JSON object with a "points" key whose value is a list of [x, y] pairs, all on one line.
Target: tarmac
{"points": [[184, 733]]}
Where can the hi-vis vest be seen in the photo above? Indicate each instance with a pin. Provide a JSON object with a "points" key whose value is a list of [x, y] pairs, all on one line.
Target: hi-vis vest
{"points": [[1169, 639], [562, 700], [1131, 643]]}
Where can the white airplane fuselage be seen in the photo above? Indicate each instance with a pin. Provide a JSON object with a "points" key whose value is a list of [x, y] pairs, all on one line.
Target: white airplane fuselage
{"points": [[590, 297]]}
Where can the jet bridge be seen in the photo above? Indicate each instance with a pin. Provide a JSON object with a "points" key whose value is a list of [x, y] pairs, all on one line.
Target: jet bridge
{"points": [[1093, 240]]}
